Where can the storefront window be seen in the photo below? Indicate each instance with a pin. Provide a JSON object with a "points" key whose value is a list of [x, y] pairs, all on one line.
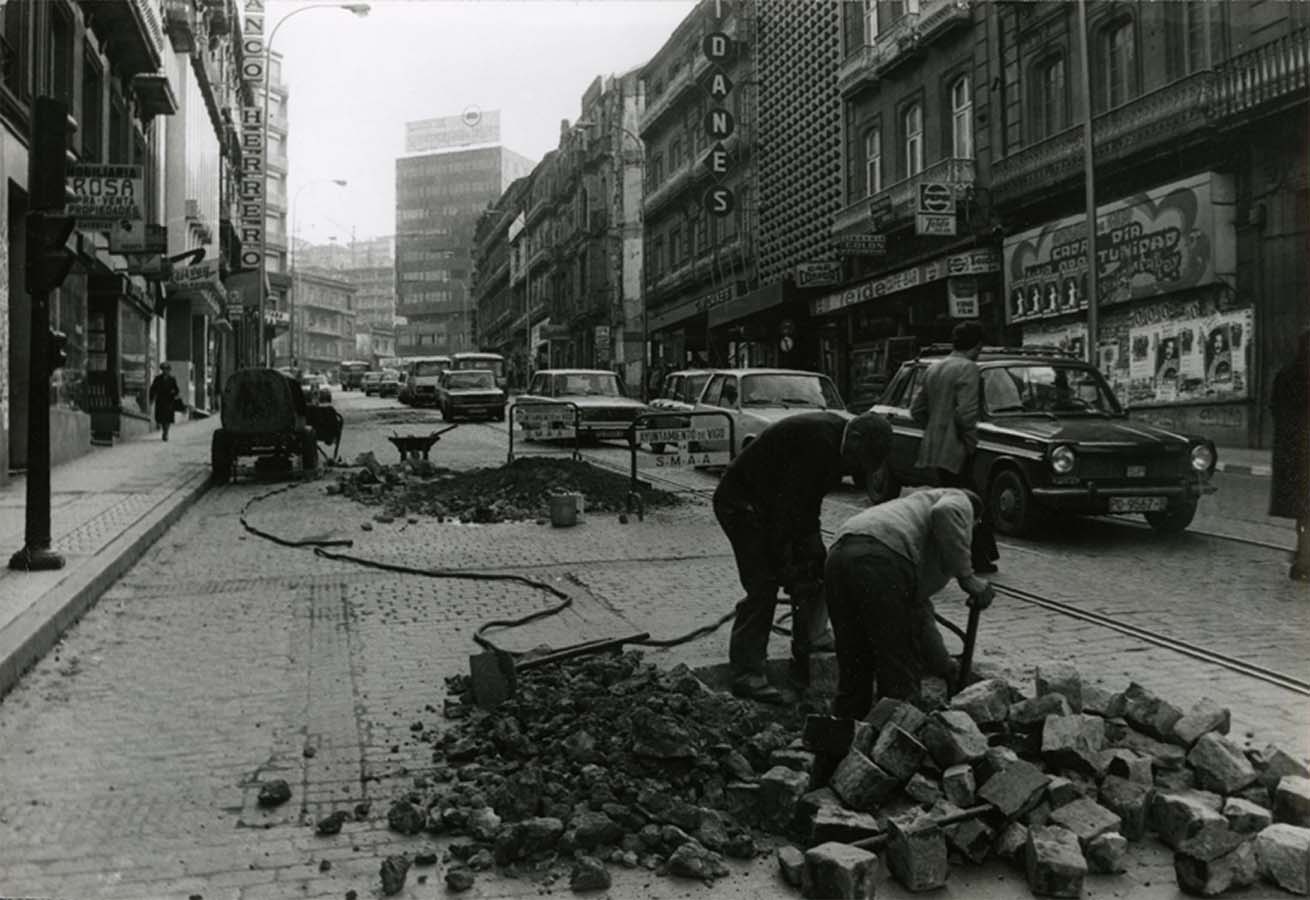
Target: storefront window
{"points": [[68, 314], [133, 359]]}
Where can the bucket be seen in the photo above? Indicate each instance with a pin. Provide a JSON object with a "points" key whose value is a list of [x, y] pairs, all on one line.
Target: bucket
{"points": [[565, 509]]}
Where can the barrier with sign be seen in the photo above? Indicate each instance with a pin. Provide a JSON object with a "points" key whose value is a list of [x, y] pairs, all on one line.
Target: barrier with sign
{"points": [[681, 430], [544, 420]]}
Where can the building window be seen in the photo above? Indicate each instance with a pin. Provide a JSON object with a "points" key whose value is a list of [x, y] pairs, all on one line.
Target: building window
{"points": [[1119, 64], [873, 161], [656, 171], [15, 52], [657, 257], [675, 247], [1191, 35], [1050, 107], [61, 55], [912, 124], [91, 125], [870, 22], [675, 155], [961, 119]]}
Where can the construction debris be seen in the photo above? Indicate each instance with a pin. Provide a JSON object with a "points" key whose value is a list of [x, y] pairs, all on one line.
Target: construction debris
{"points": [[519, 491], [608, 761]]}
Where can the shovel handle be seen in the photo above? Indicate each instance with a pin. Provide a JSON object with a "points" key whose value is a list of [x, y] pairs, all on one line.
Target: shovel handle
{"points": [[970, 639], [873, 842], [581, 650]]}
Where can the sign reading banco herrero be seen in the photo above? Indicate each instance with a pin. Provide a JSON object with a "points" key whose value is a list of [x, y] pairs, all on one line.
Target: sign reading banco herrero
{"points": [[253, 172]]}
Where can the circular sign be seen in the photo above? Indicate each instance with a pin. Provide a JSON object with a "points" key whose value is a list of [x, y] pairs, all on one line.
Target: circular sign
{"points": [[720, 201], [786, 343], [720, 124], [471, 116], [716, 46], [935, 197]]}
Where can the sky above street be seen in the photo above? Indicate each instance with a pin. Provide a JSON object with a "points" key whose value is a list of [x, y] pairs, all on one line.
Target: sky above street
{"points": [[354, 82]]}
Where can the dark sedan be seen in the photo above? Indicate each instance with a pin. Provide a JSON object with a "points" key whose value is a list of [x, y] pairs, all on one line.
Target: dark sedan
{"points": [[1053, 439]]}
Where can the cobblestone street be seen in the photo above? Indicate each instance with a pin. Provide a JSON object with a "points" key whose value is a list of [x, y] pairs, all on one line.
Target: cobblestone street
{"points": [[130, 755]]}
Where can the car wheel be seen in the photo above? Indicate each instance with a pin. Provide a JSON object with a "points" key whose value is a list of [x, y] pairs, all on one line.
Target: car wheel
{"points": [[500, 414], [1010, 504], [1173, 520], [886, 486], [220, 458]]}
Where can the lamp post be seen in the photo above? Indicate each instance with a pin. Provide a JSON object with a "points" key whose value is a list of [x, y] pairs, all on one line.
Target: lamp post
{"points": [[357, 9], [291, 305]]}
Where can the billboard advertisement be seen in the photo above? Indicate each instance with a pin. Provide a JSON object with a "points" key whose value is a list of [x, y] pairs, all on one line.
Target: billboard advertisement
{"points": [[1163, 240], [473, 126]]}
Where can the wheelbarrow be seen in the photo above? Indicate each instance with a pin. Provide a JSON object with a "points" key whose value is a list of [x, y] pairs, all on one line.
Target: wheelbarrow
{"points": [[415, 446]]}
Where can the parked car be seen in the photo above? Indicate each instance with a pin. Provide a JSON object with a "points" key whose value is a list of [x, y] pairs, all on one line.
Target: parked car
{"points": [[470, 393], [678, 392], [604, 410], [316, 390], [370, 382], [756, 398], [1053, 439], [389, 383]]}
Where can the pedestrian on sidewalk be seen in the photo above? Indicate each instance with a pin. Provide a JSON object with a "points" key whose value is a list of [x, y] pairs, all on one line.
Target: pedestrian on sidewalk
{"points": [[947, 410], [768, 504], [1289, 489], [880, 576], [165, 395]]}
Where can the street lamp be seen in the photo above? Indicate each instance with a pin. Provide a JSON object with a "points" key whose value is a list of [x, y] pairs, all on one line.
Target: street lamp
{"points": [[291, 305], [357, 9]]}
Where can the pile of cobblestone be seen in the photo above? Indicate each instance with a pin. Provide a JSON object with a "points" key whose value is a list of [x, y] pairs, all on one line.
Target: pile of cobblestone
{"points": [[1057, 782], [599, 762], [519, 491], [610, 761]]}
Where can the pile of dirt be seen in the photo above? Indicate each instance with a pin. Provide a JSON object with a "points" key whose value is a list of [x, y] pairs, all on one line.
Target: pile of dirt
{"points": [[518, 491]]}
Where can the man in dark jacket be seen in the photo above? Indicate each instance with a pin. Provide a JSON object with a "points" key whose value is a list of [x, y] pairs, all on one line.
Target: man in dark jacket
{"points": [[768, 505], [1289, 495]]}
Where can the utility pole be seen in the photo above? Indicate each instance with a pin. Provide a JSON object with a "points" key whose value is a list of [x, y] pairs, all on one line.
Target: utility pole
{"points": [[1089, 188], [47, 265]]}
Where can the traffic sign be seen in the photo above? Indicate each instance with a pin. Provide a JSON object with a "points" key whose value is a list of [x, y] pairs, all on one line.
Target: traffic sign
{"points": [[720, 201], [934, 225], [936, 197], [720, 124]]}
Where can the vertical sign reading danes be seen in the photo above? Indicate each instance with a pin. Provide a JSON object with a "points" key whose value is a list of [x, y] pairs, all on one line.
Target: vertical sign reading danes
{"points": [[253, 175], [719, 123]]}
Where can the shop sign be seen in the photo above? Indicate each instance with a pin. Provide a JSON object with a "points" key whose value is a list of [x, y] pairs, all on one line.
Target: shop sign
{"points": [[602, 343], [253, 149], [962, 296], [861, 244], [817, 274], [195, 277], [973, 262], [106, 195], [934, 224], [1171, 238]]}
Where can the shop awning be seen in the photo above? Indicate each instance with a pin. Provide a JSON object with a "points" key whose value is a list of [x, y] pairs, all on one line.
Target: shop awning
{"points": [[199, 284], [756, 301]]}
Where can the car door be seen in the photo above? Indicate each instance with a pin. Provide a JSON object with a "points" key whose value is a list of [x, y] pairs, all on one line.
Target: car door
{"points": [[906, 435]]}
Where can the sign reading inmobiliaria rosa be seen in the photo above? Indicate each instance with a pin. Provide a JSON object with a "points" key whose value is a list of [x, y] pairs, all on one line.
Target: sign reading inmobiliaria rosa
{"points": [[1174, 237]]}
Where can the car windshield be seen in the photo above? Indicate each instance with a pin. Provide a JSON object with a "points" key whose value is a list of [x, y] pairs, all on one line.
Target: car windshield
{"points": [[428, 368], [389, 374], [588, 384], [790, 391], [1044, 388], [471, 380], [691, 387]]}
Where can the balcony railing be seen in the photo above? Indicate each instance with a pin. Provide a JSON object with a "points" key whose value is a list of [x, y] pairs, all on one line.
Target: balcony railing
{"points": [[899, 201], [900, 41], [1271, 74], [671, 188], [1152, 123]]}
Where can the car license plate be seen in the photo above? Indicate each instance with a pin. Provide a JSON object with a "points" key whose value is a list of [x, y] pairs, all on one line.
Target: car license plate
{"points": [[1137, 471], [1138, 504]]}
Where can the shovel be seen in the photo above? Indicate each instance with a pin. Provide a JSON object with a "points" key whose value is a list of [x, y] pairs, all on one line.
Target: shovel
{"points": [[493, 676], [969, 635]]}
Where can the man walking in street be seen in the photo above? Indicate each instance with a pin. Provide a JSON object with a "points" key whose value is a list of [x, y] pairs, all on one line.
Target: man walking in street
{"points": [[881, 573], [768, 504], [166, 396], [947, 410]]}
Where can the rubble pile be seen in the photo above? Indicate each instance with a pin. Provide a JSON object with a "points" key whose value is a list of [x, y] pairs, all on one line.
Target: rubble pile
{"points": [[518, 491], [1057, 783], [611, 762], [605, 762]]}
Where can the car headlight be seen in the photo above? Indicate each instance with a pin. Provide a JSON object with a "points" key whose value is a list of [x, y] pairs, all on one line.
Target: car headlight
{"points": [[1203, 458], [1063, 460]]}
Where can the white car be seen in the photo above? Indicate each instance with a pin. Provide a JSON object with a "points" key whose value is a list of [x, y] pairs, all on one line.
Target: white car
{"points": [[756, 398], [678, 393], [603, 409]]}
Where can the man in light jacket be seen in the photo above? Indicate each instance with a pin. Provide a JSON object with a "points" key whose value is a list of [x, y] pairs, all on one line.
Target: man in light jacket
{"points": [[947, 410], [882, 570]]}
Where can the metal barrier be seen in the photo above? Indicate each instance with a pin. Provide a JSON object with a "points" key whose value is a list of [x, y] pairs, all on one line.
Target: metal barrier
{"points": [[683, 435], [545, 420]]}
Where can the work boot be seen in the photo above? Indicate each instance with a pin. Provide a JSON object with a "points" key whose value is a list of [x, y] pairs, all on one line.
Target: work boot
{"points": [[756, 687]]}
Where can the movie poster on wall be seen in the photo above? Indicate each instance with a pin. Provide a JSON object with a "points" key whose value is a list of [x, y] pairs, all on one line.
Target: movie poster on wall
{"points": [[1069, 338], [1194, 359]]}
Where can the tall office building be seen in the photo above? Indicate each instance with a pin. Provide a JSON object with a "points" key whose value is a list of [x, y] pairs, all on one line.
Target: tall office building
{"points": [[454, 169]]}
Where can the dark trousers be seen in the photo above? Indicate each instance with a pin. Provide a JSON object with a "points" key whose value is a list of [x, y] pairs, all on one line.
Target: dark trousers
{"points": [[883, 629], [983, 549]]}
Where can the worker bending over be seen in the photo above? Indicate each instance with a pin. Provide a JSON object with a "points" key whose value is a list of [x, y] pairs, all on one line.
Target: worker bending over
{"points": [[884, 567], [768, 504]]}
